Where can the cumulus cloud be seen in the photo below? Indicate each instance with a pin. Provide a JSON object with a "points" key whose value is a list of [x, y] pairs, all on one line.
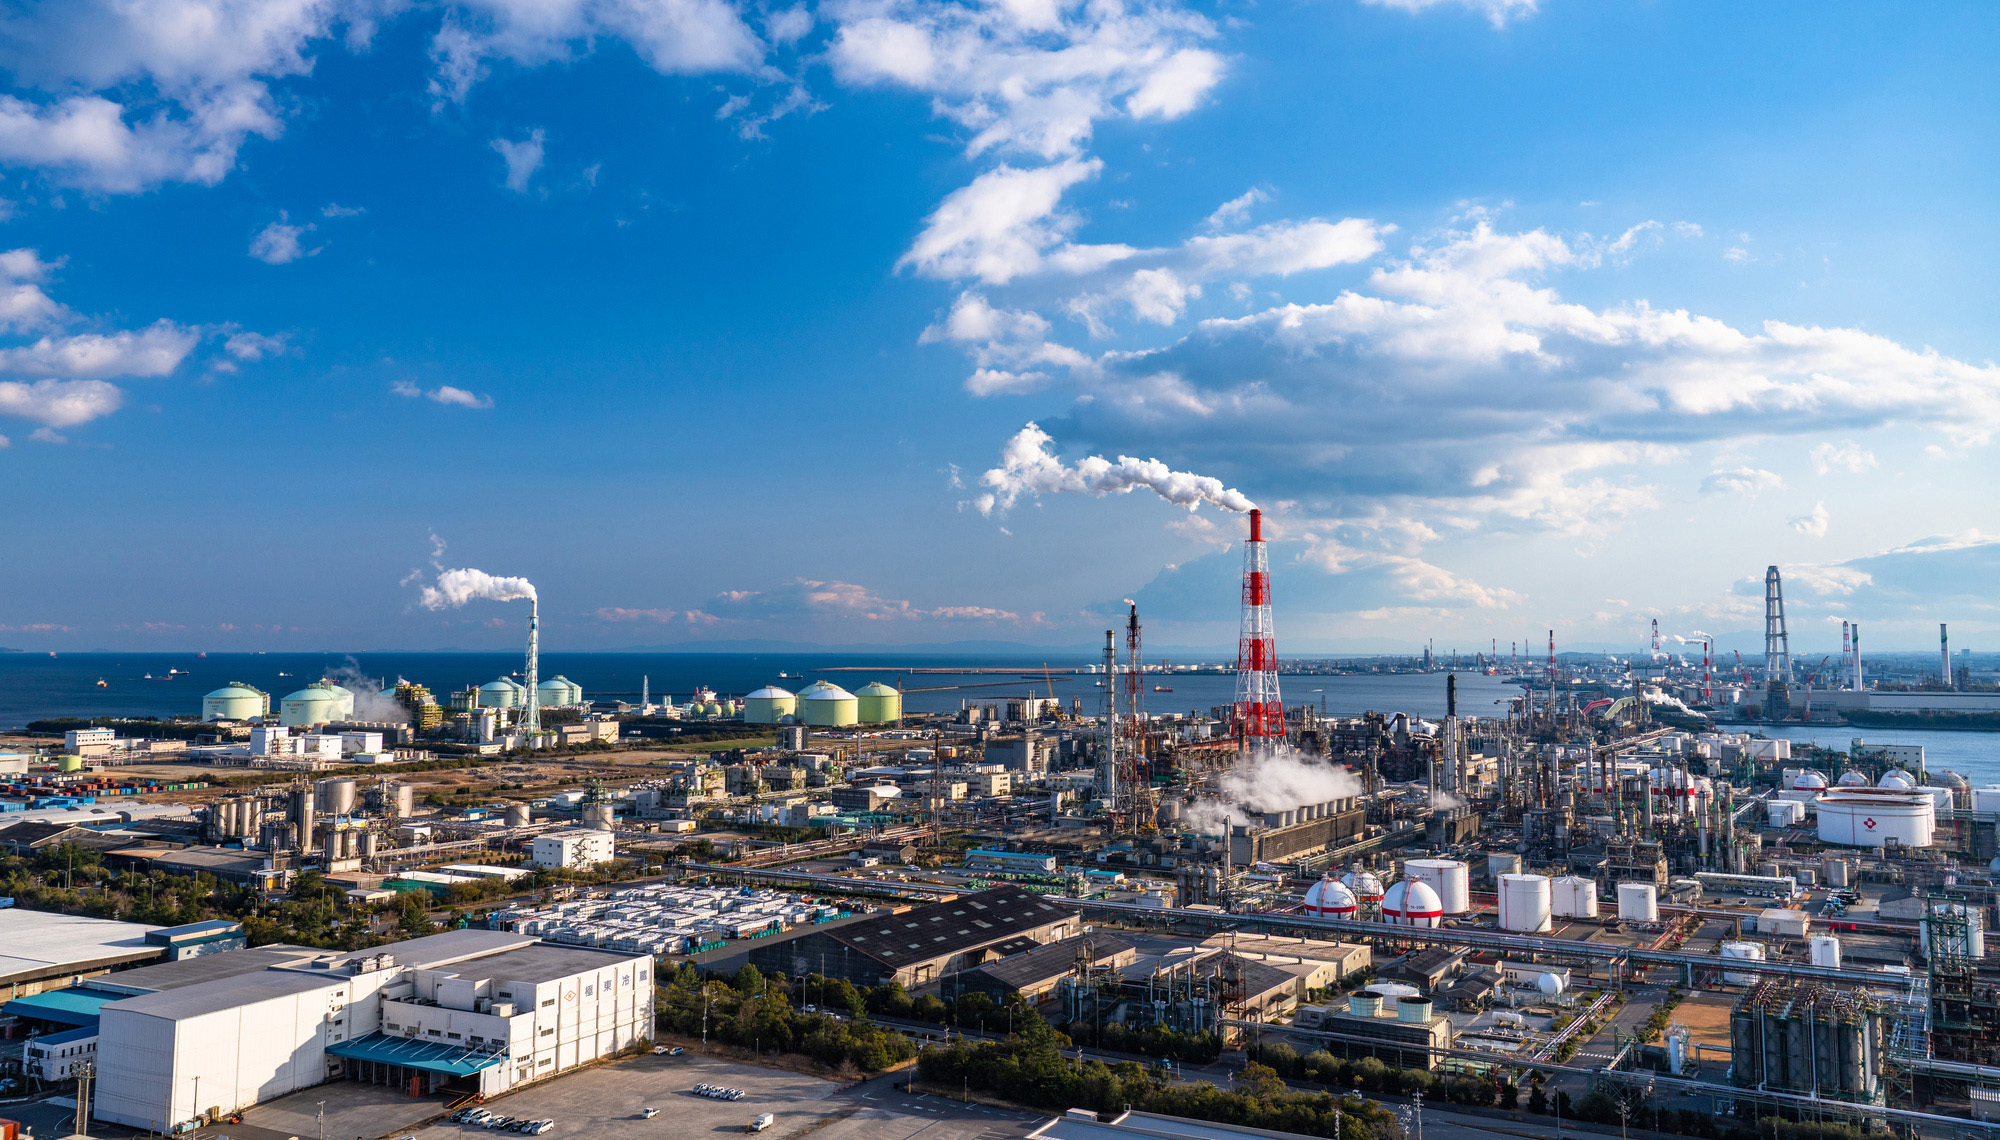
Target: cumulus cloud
{"points": [[1813, 522], [1029, 467], [442, 394], [156, 350], [1750, 481], [812, 599], [523, 158], [278, 243], [1008, 223], [59, 403], [1235, 211], [673, 37], [1846, 455]]}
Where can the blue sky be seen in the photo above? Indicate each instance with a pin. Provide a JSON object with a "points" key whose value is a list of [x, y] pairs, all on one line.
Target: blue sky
{"points": [[727, 321]]}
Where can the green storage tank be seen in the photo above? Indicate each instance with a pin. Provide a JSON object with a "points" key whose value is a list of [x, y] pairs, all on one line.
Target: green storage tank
{"points": [[70, 764], [877, 703], [829, 705]]}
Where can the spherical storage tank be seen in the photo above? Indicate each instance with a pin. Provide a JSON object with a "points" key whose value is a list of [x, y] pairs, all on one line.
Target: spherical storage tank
{"points": [[1853, 779], [1412, 902], [1524, 904], [1448, 877], [1809, 781], [1638, 902], [314, 704], [877, 703], [769, 705], [1366, 887], [235, 701], [1574, 896], [1895, 779], [831, 705], [1741, 952], [1868, 817], [1329, 899]]}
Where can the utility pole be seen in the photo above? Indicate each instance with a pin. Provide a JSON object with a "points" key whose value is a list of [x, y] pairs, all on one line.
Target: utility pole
{"points": [[1418, 1100]]}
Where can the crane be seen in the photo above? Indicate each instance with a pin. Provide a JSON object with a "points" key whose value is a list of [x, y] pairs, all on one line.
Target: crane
{"points": [[1740, 667]]}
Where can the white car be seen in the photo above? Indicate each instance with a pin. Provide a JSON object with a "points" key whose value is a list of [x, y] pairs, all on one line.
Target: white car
{"points": [[648, 1113]]}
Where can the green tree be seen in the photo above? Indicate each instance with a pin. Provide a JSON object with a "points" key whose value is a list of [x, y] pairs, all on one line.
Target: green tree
{"points": [[749, 980]]}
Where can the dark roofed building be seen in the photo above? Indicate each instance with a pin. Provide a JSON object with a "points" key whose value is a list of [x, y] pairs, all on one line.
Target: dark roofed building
{"points": [[923, 944], [1033, 973], [1427, 969], [31, 837]]}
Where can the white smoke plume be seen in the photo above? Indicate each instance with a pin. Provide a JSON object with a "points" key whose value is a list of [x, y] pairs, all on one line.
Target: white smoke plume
{"points": [[456, 587], [374, 699], [1445, 801], [1695, 638], [1276, 781], [1029, 467]]}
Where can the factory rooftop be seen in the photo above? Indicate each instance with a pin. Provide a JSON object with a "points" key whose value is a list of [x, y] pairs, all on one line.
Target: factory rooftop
{"points": [[43, 950], [949, 927]]}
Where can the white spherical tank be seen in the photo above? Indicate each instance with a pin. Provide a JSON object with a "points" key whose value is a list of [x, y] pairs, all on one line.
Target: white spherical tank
{"points": [[1329, 899], [1366, 887], [1809, 781], [1525, 904], [1853, 779], [1412, 902], [1740, 952], [1450, 878], [1550, 984], [1868, 817], [1895, 779], [1574, 896], [1825, 951], [1638, 902]]}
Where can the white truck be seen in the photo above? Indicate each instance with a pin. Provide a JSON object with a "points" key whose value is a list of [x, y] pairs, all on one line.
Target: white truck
{"points": [[761, 1123]]}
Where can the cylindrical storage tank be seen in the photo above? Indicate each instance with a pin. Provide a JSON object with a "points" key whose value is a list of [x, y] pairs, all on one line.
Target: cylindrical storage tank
{"points": [[1510, 1019], [1838, 872], [70, 764], [1525, 904], [406, 801], [1573, 896], [1366, 887], [1502, 863], [1868, 818], [1825, 949], [815, 687], [1390, 991], [1414, 1010], [1365, 1003], [1986, 799], [1412, 902], [1329, 899], [314, 704], [518, 815], [1974, 944], [1740, 952], [335, 797], [235, 701], [368, 845], [332, 845], [877, 703], [500, 694], [769, 705], [1448, 877], [599, 816], [1638, 902], [1940, 797], [830, 706]]}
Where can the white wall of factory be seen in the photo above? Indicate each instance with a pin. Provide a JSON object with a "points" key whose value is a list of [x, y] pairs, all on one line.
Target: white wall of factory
{"points": [[577, 847]]}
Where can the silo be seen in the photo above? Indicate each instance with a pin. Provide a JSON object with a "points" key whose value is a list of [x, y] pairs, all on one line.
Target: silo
{"points": [[1524, 904], [769, 705], [1638, 902], [829, 706], [335, 796], [518, 815], [301, 811], [599, 816], [1574, 897], [877, 703], [406, 801], [1825, 951], [332, 845], [1450, 878], [368, 844], [1742, 952]]}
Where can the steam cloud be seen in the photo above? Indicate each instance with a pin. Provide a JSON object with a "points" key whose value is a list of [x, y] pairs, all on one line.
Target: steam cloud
{"points": [[1029, 467], [1276, 781], [456, 587], [374, 699]]}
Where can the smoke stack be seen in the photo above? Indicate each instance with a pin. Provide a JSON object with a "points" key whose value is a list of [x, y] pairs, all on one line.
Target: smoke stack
{"points": [[1846, 650], [1944, 657], [532, 718], [1260, 712], [1858, 679]]}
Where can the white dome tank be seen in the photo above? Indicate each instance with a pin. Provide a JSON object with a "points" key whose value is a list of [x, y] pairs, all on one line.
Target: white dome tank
{"points": [[1366, 887], [1329, 899], [1450, 878], [1811, 781], [1524, 904], [1573, 896], [1741, 952], [1853, 779], [1638, 902], [1550, 984], [1412, 902], [1896, 779]]}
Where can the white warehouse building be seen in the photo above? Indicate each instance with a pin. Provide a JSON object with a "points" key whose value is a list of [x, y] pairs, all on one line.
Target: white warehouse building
{"points": [[580, 847], [470, 1010]]}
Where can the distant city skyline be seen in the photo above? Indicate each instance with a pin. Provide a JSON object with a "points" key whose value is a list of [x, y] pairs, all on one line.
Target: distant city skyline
{"points": [[877, 322]]}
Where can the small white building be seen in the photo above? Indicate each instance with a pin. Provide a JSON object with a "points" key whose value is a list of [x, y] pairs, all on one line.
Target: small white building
{"points": [[85, 741], [352, 742], [56, 1056], [577, 847]]}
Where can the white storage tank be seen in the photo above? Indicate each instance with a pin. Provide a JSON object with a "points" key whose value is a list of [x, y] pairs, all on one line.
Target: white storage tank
{"points": [[1450, 878], [1412, 902], [1550, 985], [1502, 863], [1741, 952], [1897, 780], [1638, 902], [1574, 896], [334, 797], [235, 701], [1974, 946], [1868, 817], [1987, 798], [1825, 951], [1366, 887], [769, 705], [1785, 813], [518, 815], [1524, 904], [1329, 899]]}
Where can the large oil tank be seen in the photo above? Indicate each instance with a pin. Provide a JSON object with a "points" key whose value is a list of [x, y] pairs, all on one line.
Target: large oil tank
{"points": [[314, 704], [877, 703], [1638, 902], [1741, 952], [769, 705], [830, 706], [1524, 904], [1573, 896], [599, 816], [504, 693], [235, 701], [335, 797], [1448, 877], [1868, 817], [518, 815]]}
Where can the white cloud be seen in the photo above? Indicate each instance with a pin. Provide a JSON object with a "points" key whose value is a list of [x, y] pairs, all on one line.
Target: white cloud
{"points": [[673, 37], [24, 307], [47, 435], [1846, 455], [59, 403], [278, 243], [443, 394], [1234, 211], [1029, 467], [1750, 481], [1813, 522], [523, 158], [1496, 11], [1029, 76], [336, 210], [1286, 248], [156, 350], [815, 600], [251, 347], [1008, 223]]}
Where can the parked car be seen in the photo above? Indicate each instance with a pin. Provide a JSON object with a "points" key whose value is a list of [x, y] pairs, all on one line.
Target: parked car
{"points": [[648, 1113]]}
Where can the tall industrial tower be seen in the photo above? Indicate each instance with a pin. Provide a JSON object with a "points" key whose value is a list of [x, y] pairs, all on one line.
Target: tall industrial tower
{"points": [[1656, 641], [1777, 649], [1132, 779], [531, 717], [1260, 713], [1107, 756]]}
